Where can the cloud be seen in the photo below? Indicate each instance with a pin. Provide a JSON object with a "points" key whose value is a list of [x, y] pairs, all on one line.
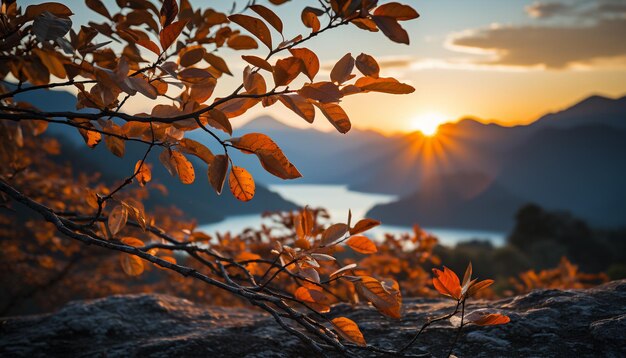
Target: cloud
{"points": [[546, 10], [546, 46], [594, 9]]}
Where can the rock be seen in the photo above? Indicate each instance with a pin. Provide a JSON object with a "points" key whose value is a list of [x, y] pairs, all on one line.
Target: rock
{"points": [[544, 323]]}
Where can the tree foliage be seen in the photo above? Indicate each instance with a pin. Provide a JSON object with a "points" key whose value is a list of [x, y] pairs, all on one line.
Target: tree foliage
{"points": [[173, 55]]}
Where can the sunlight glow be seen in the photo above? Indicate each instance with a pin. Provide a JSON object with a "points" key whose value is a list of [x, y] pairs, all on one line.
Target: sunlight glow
{"points": [[428, 123]]}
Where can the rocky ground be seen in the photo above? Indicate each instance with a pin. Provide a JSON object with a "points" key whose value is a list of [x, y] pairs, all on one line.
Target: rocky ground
{"points": [[544, 323]]}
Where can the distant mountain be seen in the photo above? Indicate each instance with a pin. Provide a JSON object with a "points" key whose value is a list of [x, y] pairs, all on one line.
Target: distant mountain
{"points": [[594, 110], [571, 160], [197, 200], [465, 201], [581, 169]]}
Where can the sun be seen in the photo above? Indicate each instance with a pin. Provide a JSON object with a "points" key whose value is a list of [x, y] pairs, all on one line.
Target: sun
{"points": [[428, 123]]}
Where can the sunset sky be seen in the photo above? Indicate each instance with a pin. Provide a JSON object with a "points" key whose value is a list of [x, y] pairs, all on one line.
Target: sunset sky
{"points": [[505, 61]]}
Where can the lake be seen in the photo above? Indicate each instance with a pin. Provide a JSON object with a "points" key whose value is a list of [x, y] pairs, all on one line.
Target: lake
{"points": [[338, 199]]}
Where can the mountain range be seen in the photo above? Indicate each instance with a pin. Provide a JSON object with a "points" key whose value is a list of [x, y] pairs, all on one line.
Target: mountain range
{"points": [[471, 175]]}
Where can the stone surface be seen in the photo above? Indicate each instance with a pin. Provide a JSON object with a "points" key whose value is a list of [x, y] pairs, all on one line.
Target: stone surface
{"points": [[544, 323]]}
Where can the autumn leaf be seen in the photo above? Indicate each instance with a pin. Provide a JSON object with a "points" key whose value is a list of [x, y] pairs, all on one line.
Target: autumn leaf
{"points": [[191, 55], [258, 62], [269, 16], [314, 297], [309, 59], [390, 27], [193, 147], [116, 145], [286, 70], [98, 6], [217, 172], [333, 233], [367, 65], [323, 92], [117, 219], [241, 183], [170, 33], [299, 105], [177, 165], [362, 244], [384, 85], [477, 286], [397, 11], [309, 19], [242, 42], [447, 283], [142, 172], [349, 330], [487, 319], [343, 69], [131, 264], [363, 225], [270, 155], [386, 302], [254, 26], [168, 12], [336, 116]]}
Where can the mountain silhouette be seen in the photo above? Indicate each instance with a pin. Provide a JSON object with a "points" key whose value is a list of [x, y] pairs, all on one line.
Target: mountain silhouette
{"points": [[567, 160]]}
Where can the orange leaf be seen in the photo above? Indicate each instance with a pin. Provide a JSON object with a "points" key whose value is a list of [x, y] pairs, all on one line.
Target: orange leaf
{"points": [[258, 62], [447, 283], [286, 70], [362, 244], [343, 69], [177, 165], [143, 172], [241, 183], [324, 92], [117, 219], [242, 42], [298, 105], [367, 65], [386, 302], [116, 145], [269, 16], [191, 55], [150, 45], [333, 233], [309, 60], [54, 8], [384, 85], [397, 11], [349, 330], [276, 163], [193, 147], [217, 172], [478, 286], [131, 264], [315, 298], [168, 12], [390, 27], [254, 26], [336, 116], [170, 33], [309, 19], [98, 6], [217, 62], [364, 225], [132, 241], [488, 319]]}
